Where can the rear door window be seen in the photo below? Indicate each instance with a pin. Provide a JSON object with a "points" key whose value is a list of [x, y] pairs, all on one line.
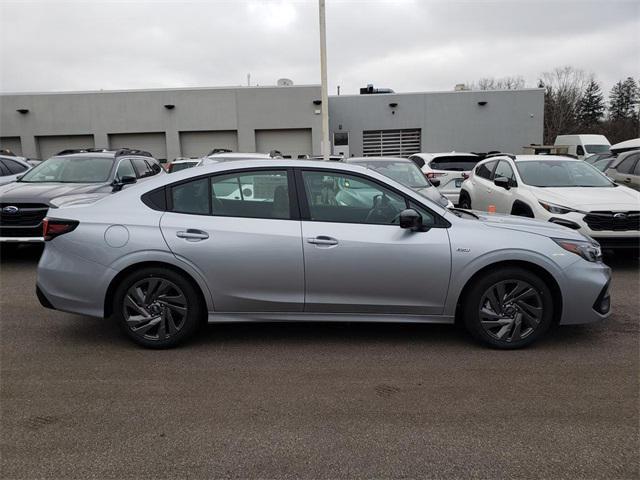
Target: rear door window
{"points": [[191, 197], [627, 165], [455, 163], [486, 169]]}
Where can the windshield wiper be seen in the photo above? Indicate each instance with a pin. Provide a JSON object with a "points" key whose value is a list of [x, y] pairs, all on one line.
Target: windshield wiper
{"points": [[461, 211]]}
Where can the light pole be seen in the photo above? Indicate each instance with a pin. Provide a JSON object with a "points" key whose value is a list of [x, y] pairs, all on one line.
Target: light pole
{"points": [[323, 81]]}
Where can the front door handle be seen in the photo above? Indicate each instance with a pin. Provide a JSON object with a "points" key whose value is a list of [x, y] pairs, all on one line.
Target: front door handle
{"points": [[322, 240], [193, 235]]}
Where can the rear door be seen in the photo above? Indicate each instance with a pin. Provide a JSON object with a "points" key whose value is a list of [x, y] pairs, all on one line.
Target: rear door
{"points": [[242, 231], [358, 259], [625, 171], [483, 187]]}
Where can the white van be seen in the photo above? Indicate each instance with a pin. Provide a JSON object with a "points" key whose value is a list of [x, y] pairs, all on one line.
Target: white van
{"points": [[583, 145]]}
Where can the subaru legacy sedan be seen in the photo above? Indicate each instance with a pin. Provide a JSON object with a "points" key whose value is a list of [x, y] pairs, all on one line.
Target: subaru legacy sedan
{"points": [[283, 240]]}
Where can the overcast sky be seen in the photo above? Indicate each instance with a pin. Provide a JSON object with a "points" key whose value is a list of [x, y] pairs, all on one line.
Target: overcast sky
{"points": [[406, 45]]}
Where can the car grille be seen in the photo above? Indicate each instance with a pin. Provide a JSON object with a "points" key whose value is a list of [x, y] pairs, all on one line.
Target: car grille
{"points": [[613, 221], [26, 222]]}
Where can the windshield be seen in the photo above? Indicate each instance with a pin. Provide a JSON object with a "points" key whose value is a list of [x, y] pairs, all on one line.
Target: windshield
{"points": [[597, 148], [71, 170], [406, 173], [561, 173]]}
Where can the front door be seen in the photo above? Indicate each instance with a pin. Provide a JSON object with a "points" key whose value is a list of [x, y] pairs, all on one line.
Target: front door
{"points": [[358, 259], [503, 198], [484, 187], [240, 230]]}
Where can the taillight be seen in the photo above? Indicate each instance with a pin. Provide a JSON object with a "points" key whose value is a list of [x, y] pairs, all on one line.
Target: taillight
{"points": [[431, 175], [54, 227]]}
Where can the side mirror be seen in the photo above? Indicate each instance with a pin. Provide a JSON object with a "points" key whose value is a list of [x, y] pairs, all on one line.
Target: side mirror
{"points": [[412, 220], [435, 183], [126, 180], [502, 182]]}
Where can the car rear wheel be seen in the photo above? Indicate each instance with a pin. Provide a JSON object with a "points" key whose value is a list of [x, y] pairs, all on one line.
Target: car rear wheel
{"points": [[157, 308], [465, 201], [508, 308]]}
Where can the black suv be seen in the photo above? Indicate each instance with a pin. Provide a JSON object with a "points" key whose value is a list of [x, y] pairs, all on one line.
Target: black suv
{"points": [[77, 173]]}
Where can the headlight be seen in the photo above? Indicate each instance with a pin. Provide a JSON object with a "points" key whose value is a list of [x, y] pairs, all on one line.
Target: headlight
{"points": [[591, 252], [558, 209]]}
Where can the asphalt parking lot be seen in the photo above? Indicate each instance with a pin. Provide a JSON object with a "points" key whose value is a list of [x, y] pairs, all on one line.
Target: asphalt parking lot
{"points": [[78, 400]]}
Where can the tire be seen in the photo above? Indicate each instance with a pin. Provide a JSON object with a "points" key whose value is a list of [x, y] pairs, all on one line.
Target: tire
{"points": [[465, 201], [492, 318], [157, 307]]}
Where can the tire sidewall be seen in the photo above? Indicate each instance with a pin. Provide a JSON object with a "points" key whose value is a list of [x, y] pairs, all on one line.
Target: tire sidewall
{"points": [[194, 315], [471, 306]]}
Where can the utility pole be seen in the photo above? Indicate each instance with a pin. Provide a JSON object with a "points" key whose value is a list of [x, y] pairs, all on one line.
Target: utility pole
{"points": [[326, 150]]}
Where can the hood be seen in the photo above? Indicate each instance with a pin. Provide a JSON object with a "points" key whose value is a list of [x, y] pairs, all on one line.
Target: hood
{"points": [[24, 192], [78, 199], [529, 225], [590, 198]]}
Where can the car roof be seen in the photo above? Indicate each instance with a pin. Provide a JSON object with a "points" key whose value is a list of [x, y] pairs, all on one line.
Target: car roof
{"points": [[532, 158], [446, 154], [186, 160], [239, 155], [627, 144], [377, 159]]}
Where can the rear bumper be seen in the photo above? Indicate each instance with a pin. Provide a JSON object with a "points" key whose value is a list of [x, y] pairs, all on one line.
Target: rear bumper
{"points": [[21, 239]]}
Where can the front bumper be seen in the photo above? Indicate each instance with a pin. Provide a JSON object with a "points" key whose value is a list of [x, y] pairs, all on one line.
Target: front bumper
{"points": [[585, 293]]}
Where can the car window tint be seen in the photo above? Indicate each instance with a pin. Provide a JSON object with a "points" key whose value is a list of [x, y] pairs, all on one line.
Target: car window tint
{"points": [[484, 170], [504, 170], [191, 197], [626, 165], [142, 168], [14, 167], [125, 169], [336, 197], [260, 194]]}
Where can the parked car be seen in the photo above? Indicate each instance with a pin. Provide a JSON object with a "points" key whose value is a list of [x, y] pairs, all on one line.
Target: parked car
{"points": [[65, 179], [450, 169], [182, 163], [582, 145], [561, 190], [626, 169], [302, 248], [627, 145], [605, 162], [596, 157], [11, 168], [405, 172]]}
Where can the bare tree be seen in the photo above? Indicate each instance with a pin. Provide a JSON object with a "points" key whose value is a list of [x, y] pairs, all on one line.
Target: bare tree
{"points": [[504, 83], [564, 88]]}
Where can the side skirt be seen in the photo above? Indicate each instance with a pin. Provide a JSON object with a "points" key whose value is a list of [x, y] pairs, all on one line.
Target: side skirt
{"points": [[229, 317]]}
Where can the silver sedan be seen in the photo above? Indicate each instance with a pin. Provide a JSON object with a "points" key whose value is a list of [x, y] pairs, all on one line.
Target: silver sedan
{"points": [[291, 240]]}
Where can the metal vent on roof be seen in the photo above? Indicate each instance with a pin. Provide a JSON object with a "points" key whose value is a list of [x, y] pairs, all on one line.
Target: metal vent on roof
{"points": [[394, 143]]}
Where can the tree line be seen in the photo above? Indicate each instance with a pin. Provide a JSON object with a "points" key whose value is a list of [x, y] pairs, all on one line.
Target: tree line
{"points": [[575, 103]]}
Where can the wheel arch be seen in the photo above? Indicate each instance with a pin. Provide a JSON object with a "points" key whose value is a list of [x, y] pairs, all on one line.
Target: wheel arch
{"points": [[115, 281], [544, 274], [520, 206]]}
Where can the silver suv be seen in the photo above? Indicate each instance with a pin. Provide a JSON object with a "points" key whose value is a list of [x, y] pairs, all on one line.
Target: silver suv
{"points": [[288, 240]]}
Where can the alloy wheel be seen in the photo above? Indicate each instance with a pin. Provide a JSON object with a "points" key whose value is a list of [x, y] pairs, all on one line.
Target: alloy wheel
{"points": [[511, 310], [155, 308]]}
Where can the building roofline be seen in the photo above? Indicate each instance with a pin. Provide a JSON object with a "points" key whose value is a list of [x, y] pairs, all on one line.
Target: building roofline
{"points": [[438, 92], [173, 89]]}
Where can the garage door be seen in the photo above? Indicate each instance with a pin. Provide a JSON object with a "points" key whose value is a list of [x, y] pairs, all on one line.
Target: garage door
{"points": [[48, 146], [11, 143], [291, 142], [394, 143], [198, 144], [152, 142]]}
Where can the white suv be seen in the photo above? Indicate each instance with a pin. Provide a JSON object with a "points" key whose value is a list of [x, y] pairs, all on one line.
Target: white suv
{"points": [[557, 189], [446, 171]]}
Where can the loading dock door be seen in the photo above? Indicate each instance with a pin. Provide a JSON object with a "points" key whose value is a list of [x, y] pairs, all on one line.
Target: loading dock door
{"points": [[11, 143], [392, 143], [291, 142], [199, 144], [48, 146], [152, 142]]}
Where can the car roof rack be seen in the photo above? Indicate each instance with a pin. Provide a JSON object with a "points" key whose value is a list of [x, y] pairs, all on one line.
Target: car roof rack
{"points": [[510, 155], [275, 154], [132, 151], [219, 150], [71, 151], [7, 152]]}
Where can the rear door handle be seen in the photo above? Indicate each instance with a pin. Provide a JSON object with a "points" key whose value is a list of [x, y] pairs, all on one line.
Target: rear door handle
{"points": [[322, 240], [192, 234]]}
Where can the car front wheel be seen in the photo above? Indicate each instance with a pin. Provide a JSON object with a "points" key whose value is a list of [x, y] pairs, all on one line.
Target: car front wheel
{"points": [[157, 308], [508, 308]]}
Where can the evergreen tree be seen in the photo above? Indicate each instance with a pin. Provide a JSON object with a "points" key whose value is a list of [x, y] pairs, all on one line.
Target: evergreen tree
{"points": [[623, 100], [591, 106]]}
